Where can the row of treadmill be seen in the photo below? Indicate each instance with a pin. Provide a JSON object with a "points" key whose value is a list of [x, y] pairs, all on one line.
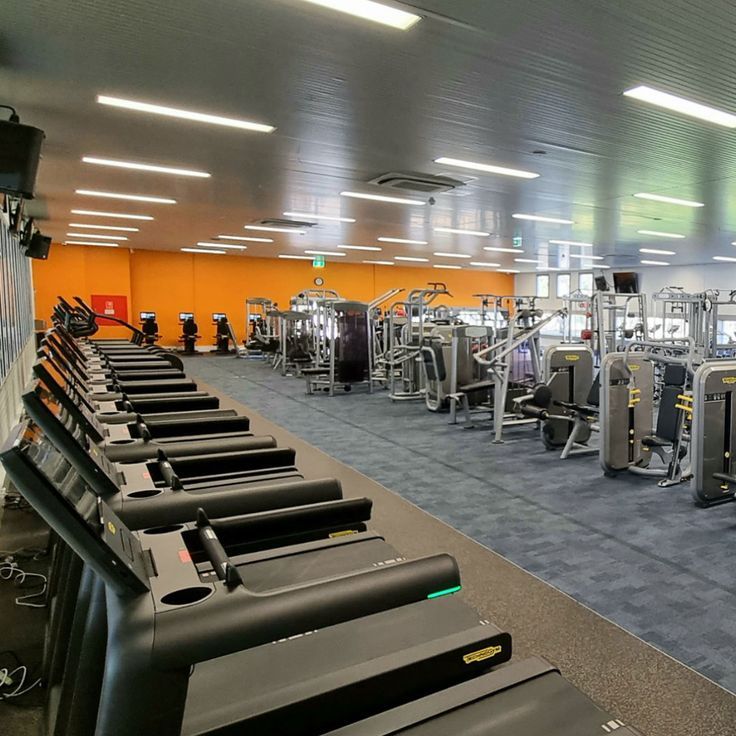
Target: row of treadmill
{"points": [[201, 584]]}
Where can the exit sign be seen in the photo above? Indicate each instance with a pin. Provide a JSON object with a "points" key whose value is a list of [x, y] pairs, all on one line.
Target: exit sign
{"points": [[517, 241], [318, 262]]}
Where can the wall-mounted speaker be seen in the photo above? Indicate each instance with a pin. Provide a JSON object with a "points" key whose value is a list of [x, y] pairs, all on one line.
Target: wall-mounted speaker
{"points": [[38, 247], [20, 152]]}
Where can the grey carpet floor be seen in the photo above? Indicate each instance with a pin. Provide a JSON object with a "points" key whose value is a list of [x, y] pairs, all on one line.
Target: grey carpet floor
{"points": [[643, 556]]}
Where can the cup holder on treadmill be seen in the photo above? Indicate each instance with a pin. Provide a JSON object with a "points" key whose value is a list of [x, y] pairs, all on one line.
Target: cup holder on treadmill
{"points": [[186, 596], [146, 493]]}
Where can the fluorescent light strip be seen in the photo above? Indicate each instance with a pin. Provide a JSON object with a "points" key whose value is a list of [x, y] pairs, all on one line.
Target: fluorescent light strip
{"points": [[654, 263], [225, 246], [542, 218], [502, 250], [658, 234], [145, 167], [131, 197], [85, 242], [402, 241], [548, 268], [295, 258], [446, 265], [326, 253], [382, 198], [264, 228], [570, 242], [586, 257], [173, 112], [458, 231], [92, 226], [656, 252], [204, 250], [527, 260], [381, 263], [119, 215], [245, 238], [729, 259], [451, 255], [412, 259], [508, 270], [97, 236], [308, 216], [482, 264], [487, 168], [370, 10], [669, 200], [359, 247], [681, 105]]}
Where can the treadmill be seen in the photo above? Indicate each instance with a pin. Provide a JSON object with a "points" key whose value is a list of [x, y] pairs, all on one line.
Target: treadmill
{"points": [[383, 651]]}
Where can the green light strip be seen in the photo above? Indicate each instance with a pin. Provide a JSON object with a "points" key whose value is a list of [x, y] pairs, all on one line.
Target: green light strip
{"points": [[446, 591]]}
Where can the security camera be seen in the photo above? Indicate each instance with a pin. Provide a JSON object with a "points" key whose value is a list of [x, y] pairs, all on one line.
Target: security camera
{"points": [[431, 200]]}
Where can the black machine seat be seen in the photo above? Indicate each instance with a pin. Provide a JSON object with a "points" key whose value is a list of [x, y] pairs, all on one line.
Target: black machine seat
{"points": [[654, 441], [591, 408]]}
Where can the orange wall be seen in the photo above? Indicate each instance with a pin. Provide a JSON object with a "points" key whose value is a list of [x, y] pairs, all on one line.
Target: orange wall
{"points": [[169, 282]]}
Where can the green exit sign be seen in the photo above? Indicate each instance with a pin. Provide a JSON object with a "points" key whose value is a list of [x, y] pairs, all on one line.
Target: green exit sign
{"points": [[318, 262], [517, 241]]}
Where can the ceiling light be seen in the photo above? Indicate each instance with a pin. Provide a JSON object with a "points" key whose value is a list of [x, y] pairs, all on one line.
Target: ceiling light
{"points": [[225, 246], [600, 265], [318, 217], [403, 241], [483, 264], [174, 112], [295, 258], [411, 258], [548, 268], [541, 218], [381, 263], [508, 270], [119, 215], [268, 229], [655, 252], [204, 250], [724, 258], [92, 226], [502, 250], [145, 167], [452, 255], [326, 253], [527, 260], [570, 242], [359, 247], [97, 236], [586, 257], [669, 200], [680, 104], [488, 168], [658, 234], [245, 238], [446, 265], [458, 231], [382, 198], [370, 10], [85, 242], [131, 197], [654, 263]]}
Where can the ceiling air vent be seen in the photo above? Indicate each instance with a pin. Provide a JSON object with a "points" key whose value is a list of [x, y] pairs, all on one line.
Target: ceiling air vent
{"points": [[412, 181], [280, 222]]}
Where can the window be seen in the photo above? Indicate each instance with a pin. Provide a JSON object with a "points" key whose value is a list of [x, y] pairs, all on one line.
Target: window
{"points": [[543, 285], [563, 285], [585, 283]]}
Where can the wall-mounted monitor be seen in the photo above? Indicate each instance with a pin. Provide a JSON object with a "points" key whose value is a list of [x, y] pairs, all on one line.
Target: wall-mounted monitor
{"points": [[184, 316], [626, 282], [147, 315], [217, 316], [601, 284]]}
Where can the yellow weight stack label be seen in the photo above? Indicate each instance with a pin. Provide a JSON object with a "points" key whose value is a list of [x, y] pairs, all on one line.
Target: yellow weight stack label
{"points": [[482, 654]]}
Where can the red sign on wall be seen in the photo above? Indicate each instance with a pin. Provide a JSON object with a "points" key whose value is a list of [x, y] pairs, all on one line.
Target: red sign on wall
{"points": [[114, 306]]}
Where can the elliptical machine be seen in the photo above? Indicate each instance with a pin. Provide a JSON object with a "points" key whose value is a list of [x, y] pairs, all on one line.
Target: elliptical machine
{"points": [[189, 332], [149, 327], [223, 333]]}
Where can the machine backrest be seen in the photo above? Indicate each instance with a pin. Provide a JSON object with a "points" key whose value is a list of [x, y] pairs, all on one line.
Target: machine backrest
{"points": [[189, 328], [434, 360], [594, 395]]}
